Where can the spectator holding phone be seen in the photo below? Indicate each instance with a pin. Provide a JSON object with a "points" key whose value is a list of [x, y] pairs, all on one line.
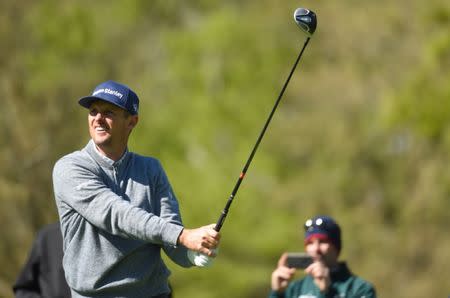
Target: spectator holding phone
{"points": [[326, 276]]}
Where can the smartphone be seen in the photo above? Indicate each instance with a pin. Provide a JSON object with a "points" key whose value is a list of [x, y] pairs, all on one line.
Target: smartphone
{"points": [[298, 260]]}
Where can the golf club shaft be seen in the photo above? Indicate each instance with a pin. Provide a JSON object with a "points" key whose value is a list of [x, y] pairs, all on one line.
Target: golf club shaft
{"points": [[224, 213]]}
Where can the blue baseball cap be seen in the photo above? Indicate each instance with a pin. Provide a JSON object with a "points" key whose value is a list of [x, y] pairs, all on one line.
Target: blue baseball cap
{"points": [[323, 227], [115, 93]]}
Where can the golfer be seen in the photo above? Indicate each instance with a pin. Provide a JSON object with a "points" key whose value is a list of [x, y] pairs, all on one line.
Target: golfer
{"points": [[118, 211]]}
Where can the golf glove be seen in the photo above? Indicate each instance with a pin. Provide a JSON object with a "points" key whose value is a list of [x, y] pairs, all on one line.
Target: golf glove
{"points": [[199, 259]]}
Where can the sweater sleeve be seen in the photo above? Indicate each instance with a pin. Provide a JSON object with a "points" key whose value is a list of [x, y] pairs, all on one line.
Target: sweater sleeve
{"points": [[365, 290], [171, 213], [274, 294], [79, 188]]}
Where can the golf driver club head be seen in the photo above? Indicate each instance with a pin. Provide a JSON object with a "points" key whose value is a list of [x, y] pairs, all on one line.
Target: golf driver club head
{"points": [[306, 20]]}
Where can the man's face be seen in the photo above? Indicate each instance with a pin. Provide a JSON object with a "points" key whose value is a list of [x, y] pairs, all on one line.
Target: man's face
{"points": [[322, 250], [109, 126]]}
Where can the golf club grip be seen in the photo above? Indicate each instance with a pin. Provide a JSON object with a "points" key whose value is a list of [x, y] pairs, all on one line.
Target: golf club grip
{"points": [[220, 222], [224, 213], [225, 210]]}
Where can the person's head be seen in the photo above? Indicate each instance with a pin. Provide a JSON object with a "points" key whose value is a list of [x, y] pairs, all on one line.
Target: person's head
{"points": [[113, 113], [323, 238]]}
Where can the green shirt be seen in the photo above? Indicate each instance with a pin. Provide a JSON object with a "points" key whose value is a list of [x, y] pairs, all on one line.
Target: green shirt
{"points": [[343, 284]]}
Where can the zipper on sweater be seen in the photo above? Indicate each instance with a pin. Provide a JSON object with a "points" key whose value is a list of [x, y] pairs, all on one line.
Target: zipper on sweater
{"points": [[116, 175]]}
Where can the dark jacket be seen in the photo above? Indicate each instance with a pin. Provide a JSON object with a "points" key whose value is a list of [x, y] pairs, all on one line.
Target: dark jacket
{"points": [[343, 284], [43, 274]]}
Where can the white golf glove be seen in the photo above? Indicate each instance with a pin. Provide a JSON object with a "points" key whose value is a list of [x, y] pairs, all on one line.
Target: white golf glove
{"points": [[199, 259]]}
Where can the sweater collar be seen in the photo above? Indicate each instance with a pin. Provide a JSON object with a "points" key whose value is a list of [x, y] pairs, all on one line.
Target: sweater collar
{"points": [[105, 161]]}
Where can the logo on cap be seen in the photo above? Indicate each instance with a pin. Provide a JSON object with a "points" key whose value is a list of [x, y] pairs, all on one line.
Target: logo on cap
{"points": [[108, 91]]}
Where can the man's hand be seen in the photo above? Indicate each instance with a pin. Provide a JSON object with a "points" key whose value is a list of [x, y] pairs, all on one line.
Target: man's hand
{"points": [[282, 275], [203, 240], [321, 274]]}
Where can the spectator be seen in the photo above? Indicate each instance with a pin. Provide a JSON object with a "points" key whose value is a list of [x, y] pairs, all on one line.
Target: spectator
{"points": [[326, 276], [43, 274]]}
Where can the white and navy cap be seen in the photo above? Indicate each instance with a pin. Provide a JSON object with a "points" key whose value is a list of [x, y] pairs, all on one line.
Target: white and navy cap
{"points": [[115, 93], [323, 227]]}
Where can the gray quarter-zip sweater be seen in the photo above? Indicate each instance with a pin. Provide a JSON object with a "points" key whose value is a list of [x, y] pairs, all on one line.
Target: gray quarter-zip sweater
{"points": [[115, 218]]}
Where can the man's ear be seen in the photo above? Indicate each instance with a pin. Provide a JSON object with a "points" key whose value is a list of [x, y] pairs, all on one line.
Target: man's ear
{"points": [[134, 119]]}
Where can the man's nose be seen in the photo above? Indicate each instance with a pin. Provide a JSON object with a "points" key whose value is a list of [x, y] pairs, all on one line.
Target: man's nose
{"points": [[99, 116], [315, 245]]}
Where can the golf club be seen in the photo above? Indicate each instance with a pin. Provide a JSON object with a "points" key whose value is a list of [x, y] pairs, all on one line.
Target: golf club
{"points": [[307, 21]]}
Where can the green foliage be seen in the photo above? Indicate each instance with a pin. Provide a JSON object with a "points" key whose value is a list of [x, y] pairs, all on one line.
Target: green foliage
{"points": [[425, 104], [362, 133]]}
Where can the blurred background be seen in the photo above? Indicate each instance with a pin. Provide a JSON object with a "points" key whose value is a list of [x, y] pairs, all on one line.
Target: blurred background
{"points": [[362, 133]]}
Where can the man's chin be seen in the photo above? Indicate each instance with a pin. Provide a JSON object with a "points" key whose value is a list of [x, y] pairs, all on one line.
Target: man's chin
{"points": [[100, 142]]}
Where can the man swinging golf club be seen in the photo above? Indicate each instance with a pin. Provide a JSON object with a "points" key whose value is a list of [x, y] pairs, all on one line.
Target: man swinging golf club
{"points": [[118, 211]]}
